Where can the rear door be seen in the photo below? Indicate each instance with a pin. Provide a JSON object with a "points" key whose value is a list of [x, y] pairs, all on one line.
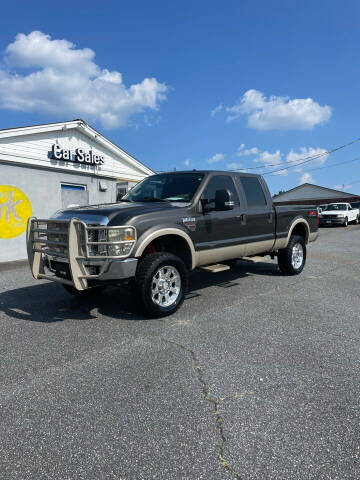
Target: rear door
{"points": [[258, 217]]}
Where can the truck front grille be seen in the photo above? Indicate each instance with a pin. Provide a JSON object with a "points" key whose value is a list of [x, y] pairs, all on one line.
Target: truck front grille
{"points": [[56, 238]]}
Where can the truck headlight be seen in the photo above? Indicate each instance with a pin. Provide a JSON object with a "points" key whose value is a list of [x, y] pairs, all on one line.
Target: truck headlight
{"points": [[341, 215], [126, 235]]}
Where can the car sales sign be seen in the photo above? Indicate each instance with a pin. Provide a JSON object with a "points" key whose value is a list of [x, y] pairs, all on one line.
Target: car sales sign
{"points": [[79, 156]]}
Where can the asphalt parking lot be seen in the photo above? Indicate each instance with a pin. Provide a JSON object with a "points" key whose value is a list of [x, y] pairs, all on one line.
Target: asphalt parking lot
{"points": [[256, 377]]}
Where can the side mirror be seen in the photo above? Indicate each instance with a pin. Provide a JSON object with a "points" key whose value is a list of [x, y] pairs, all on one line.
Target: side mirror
{"points": [[223, 200]]}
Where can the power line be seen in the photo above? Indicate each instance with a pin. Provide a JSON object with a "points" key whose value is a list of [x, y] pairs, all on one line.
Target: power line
{"points": [[333, 165], [297, 162]]}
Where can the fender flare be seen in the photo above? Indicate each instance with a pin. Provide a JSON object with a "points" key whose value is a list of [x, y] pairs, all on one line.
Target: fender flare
{"points": [[283, 241], [293, 225], [147, 239]]}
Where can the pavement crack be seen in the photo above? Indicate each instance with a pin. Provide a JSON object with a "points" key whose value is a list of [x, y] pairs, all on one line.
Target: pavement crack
{"points": [[214, 402]]}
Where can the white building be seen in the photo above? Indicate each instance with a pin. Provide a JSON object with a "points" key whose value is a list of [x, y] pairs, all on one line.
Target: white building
{"points": [[44, 168]]}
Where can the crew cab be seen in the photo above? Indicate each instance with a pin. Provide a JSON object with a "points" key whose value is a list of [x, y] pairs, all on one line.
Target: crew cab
{"points": [[166, 226], [339, 214]]}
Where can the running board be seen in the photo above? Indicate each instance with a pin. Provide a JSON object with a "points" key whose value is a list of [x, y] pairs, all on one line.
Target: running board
{"points": [[254, 259], [217, 267]]}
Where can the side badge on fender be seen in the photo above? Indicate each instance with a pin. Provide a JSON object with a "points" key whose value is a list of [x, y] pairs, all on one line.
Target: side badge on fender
{"points": [[190, 223]]}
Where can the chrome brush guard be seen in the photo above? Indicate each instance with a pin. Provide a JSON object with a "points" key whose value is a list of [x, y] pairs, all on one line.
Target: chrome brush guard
{"points": [[71, 242]]}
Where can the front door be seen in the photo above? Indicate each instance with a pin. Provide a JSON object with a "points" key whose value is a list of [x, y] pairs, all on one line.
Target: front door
{"points": [[217, 232]]}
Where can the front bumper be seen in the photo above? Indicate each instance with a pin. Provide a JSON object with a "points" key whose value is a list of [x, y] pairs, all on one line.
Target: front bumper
{"points": [[59, 250], [331, 221]]}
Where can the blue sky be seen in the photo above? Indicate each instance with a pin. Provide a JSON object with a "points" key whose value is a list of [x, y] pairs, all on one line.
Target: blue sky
{"points": [[204, 84]]}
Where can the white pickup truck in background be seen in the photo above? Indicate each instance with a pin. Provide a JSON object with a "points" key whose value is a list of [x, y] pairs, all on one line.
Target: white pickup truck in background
{"points": [[339, 214]]}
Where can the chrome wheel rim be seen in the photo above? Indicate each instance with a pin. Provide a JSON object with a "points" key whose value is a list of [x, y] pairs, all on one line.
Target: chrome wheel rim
{"points": [[165, 286], [297, 256]]}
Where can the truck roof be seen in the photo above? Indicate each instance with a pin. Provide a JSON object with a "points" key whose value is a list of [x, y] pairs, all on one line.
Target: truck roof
{"points": [[212, 171]]}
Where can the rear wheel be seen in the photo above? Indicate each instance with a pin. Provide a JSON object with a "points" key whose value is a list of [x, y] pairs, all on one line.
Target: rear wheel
{"points": [[291, 260], [161, 284]]}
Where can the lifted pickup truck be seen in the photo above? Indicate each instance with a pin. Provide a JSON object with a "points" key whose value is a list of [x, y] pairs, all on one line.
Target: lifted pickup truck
{"points": [[165, 227]]}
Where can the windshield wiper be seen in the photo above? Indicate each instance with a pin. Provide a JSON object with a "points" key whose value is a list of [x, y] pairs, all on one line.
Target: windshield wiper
{"points": [[125, 200]]}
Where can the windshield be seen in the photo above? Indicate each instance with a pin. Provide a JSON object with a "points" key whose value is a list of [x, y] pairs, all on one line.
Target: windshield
{"points": [[169, 187], [336, 206]]}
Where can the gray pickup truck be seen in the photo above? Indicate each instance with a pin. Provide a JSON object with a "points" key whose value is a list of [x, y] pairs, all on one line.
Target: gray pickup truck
{"points": [[165, 227]]}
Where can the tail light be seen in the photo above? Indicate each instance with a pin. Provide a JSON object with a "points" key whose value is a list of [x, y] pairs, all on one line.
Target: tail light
{"points": [[314, 213]]}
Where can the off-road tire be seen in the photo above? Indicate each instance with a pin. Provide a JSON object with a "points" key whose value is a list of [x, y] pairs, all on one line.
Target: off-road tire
{"points": [[285, 256], [346, 222], [84, 293], [146, 270]]}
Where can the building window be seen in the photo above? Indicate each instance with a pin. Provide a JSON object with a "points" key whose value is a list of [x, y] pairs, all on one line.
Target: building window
{"points": [[121, 190], [72, 186], [74, 195]]}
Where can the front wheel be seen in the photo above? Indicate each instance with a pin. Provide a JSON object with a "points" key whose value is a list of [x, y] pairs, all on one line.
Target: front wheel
{"points": [[161, 283], [291, 260], [357, 220], [346, 222]]}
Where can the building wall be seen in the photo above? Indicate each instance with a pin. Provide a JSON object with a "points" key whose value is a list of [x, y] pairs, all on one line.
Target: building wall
{"points": [[42, 188]]}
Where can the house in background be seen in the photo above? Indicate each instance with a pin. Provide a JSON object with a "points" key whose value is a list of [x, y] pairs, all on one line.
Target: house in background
{"points": [[309, 194]]}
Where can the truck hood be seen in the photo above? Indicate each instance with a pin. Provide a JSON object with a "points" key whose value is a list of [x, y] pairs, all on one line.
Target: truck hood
{"points": [[119, 213]]}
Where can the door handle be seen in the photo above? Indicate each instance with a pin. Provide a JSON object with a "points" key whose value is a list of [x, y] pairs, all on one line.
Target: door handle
{"points": [[242, 218], [270, 215]]}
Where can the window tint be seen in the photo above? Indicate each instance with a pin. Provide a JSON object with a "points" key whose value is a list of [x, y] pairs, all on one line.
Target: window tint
{"points": [[253, 191], [220, 182]]}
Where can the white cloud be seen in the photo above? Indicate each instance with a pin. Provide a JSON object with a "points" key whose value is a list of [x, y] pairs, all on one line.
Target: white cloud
{"points": [[216, 158], [235, 166], [278, 113], [245, 152], [271, 160], [305, 152], [65, 81], [216, 110], [187, 162], [306, 178]]}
